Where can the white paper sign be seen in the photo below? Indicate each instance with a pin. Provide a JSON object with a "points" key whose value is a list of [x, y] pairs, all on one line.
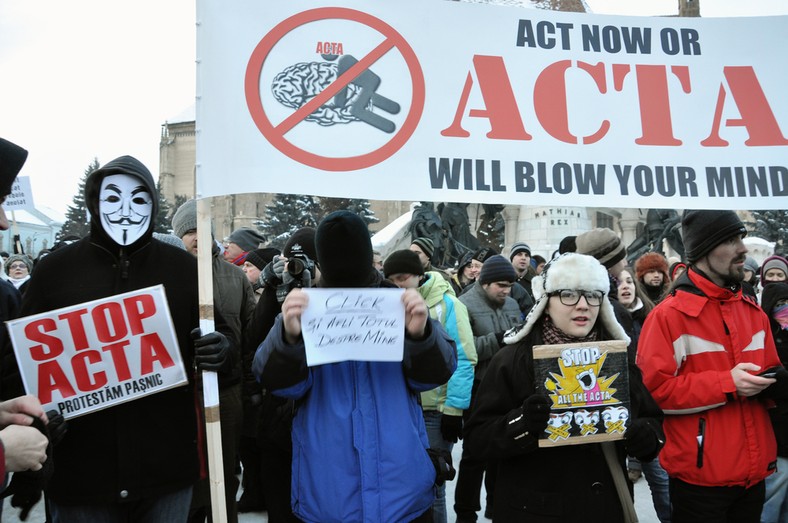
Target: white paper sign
{"points": [[21, 197], [353, 324], [94, 355]]}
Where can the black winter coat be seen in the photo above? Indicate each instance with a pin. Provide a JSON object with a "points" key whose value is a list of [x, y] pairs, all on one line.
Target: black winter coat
{"points": [[146, 447], [568, 483], [773, 293]]}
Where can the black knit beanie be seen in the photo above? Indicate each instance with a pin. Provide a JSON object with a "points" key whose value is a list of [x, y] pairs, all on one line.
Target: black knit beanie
{"points": [[12, 158], [344, 250], [301, 242], [702, 231], [261, 257], [484, 253], [403, 261], [497, 268], [567, 245]]}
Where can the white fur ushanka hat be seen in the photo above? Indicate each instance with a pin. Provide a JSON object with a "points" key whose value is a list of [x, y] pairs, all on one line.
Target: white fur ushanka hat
{"points": [[575, 272]]}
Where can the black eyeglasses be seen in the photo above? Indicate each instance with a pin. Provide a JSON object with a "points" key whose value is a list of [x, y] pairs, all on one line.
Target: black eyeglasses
{"points": [[571, 297]]}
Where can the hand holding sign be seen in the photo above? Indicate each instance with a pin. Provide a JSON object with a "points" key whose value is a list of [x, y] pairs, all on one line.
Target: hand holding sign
{"points": [[17, 411], [212, 351], [292, 309], [415, 313]]}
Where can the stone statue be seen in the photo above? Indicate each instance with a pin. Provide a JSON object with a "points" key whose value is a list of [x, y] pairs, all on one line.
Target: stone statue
{"points": [[661, 224], [492, 227], [426, 223], [457, 227]]}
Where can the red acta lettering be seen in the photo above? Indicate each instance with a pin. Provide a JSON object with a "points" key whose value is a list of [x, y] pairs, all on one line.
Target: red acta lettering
{"points": [[329, 48], [51, 346], [52, 378], [652, 81], [152, 350]]}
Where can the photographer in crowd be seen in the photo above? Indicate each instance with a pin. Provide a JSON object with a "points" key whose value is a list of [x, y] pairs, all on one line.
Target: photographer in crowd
{"points": [[269, 486]]}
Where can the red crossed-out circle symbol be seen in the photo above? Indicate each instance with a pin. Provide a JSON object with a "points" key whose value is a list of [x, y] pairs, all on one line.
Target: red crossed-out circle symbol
{"points": [[275, 133]]}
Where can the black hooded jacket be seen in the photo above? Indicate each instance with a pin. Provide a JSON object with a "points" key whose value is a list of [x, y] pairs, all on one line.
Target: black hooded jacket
{"points": [[146, 447], [773, 293]]}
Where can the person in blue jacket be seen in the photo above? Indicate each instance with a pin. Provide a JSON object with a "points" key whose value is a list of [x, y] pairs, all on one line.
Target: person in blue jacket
{"points": [[359, 440]]}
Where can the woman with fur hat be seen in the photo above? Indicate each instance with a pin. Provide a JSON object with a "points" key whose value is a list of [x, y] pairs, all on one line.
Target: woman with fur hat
{"points": [[534, 483]]}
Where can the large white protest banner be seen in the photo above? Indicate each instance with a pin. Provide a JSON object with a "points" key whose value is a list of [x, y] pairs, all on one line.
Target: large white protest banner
{"points": [[94, 355], [353, 324], [450, 101]]}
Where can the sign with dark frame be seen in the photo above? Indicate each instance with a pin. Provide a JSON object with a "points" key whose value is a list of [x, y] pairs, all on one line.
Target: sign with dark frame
{"points": [[588, 384]]}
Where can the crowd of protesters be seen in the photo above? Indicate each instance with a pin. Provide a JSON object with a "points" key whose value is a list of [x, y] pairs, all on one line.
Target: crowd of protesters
{"points": [[370, 441]]}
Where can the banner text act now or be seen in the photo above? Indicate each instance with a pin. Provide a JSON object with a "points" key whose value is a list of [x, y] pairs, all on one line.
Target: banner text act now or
{"points": [[491, 104]]}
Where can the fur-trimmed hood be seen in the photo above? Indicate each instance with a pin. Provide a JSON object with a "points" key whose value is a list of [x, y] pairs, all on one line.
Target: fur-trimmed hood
{"points": [[569, 271]]}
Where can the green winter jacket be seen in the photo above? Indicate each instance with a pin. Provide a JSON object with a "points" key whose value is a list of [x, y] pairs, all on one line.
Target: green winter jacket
{"points": [[453, 397]]}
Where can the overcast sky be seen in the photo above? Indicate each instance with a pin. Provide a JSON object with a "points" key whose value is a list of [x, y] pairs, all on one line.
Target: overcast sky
{"points": [[98, 78]]}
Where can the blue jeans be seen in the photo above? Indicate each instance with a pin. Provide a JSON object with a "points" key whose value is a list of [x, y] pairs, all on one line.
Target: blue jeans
{"points": [[657, 480], [168, 508], [432, 419], [775, 509]]}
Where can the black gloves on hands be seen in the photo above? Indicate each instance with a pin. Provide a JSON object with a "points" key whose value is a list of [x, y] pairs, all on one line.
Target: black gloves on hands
{"points": [[643, 439], [212, 351], [451, 427], [536, 409], [272, 273], [56, 428]]}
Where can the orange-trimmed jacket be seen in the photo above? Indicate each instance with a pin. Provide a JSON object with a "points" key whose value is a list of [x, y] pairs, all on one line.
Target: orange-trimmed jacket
{"points": [[688, 346]]}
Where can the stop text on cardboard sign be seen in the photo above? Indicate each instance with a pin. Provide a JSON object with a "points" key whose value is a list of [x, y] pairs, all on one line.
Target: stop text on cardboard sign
{"points": [[118, 327]]}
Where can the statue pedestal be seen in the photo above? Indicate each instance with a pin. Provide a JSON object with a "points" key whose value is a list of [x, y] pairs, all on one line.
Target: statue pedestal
{"points": [[543, 228]]}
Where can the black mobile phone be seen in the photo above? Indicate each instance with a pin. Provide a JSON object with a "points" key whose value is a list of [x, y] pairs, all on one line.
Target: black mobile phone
{"points": [[769, 373]]}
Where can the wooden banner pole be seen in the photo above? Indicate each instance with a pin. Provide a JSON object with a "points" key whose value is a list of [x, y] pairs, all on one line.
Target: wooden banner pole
{"points": [[210, 384]]}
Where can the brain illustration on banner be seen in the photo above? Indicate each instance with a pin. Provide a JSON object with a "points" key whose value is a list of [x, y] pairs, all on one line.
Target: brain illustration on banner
{"points": [[357, 102], [588, 385]]}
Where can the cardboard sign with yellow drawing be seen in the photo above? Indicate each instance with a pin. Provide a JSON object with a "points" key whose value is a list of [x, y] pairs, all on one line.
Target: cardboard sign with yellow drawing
{"points": [[588, 384]]}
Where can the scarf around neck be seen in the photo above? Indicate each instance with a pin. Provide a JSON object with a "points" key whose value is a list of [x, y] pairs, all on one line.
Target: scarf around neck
{"points": [[552, 335]]}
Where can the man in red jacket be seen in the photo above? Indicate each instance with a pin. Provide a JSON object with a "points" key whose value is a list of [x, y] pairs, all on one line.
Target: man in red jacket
{"points": [[701, 351]]}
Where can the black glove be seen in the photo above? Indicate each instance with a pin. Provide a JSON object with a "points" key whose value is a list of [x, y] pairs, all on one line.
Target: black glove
{"points": [[779, 389], [272, 273], [26, 492], [451, 427], [536, 409], [641, 440], [212, 351], [499, 338], [57, 427]]}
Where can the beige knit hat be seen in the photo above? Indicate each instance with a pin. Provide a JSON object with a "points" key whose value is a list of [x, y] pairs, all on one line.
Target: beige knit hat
{"points": [[602, 244]]}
